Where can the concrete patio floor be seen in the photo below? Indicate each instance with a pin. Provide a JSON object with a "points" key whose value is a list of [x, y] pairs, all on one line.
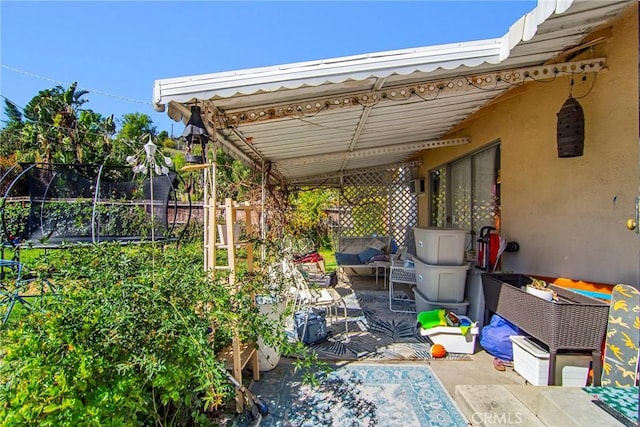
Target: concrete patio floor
{"points": [[488, 397]]}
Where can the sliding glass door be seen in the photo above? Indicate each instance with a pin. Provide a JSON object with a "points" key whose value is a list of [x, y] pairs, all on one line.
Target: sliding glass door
{"points": [[465, 193]]}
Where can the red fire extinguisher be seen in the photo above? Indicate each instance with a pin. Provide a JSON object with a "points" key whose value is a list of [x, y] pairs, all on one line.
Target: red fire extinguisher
{"points": [[488, 249]]}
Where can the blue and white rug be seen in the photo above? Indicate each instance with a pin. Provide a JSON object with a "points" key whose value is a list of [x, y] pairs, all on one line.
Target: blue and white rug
{"points": [[358, 394]]}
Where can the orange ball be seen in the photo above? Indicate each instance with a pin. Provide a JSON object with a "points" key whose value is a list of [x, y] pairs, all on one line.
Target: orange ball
{"points": [[438, 351]]}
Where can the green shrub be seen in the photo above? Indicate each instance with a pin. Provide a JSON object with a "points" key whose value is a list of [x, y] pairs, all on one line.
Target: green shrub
{"points": [[169, 143], [127, 341]]}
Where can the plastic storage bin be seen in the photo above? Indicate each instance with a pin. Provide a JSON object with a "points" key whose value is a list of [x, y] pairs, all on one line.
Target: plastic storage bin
{"points": [[532, 362], [424, 304], [440, 246], [452, 339], [441, 283]]}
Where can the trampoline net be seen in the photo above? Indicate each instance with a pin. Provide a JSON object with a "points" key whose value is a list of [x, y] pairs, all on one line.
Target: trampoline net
{"points": [[54, 204]]}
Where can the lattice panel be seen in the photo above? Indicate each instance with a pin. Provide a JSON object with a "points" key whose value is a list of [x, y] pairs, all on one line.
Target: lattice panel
{"points": [[379, 203]]}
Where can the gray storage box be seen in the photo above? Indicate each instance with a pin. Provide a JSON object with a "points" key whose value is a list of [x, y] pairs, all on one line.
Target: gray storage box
{"points": [[440, 246], [423, 304], [440, 282]]}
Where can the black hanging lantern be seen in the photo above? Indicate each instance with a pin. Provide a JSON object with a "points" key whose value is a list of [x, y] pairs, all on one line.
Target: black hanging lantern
{"points": [[195, 132], [570, 128]]}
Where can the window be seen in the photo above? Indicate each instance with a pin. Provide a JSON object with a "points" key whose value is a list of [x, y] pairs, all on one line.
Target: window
{"points": [[465, 193]]}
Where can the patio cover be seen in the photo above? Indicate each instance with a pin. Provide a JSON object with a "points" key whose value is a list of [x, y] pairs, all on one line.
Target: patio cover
{"points": [[311, 123]]}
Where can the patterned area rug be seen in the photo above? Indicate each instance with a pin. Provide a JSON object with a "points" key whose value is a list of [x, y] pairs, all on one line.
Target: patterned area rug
{"points": [[619, 402], [376, 333], [358, 394]]}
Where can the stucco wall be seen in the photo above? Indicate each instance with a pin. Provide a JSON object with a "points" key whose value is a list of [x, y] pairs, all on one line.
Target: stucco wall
{"points": [[569, 214]]}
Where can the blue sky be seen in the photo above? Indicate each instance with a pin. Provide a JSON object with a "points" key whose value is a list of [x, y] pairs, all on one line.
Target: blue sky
{"points": [[117, 49]]}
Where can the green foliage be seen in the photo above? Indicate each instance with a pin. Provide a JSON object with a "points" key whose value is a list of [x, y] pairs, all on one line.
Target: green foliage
{"points": [[56, 128], [168, 143], [10, 135], [133, 126], [15, 216], [309, 219], [56, 125], [74, 218], [368, 218], [130, 339], [191, 232], [121, 345], [233, 178]]}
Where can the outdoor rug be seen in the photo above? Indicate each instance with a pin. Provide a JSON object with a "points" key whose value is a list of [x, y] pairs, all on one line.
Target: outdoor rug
{"points": [[619, 402], [358, 394], [377, 333]]}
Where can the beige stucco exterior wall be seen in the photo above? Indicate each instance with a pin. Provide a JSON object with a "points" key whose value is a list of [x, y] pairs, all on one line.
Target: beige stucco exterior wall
{"points": [[569, 214]]}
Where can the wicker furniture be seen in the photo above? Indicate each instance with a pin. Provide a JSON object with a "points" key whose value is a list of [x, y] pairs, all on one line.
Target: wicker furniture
{"points": [[574, 322]]}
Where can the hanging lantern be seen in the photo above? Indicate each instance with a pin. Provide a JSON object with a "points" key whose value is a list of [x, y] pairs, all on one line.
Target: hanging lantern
{"points": [[570, 129], [195, 132]]}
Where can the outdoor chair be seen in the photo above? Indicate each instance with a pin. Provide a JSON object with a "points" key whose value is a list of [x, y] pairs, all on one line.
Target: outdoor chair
{"points": [[307, 298]]}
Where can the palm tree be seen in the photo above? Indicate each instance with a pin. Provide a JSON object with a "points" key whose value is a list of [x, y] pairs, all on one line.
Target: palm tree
{"points": [[63, 131]]}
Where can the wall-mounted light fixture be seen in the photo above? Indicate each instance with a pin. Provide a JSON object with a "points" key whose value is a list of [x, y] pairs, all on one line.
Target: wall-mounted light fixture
{"points": [[570, 129]]}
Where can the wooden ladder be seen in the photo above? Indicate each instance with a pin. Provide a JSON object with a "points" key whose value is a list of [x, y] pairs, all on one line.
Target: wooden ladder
{"points": [[239, 353]]}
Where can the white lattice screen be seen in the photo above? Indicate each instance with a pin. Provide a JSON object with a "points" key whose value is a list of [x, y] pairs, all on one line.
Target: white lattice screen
{"points": [[379, 203]]}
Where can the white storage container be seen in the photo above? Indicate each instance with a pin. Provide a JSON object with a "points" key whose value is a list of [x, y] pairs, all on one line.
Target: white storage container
{"points": [[441, 283], [452, 339], [532, 362], [440, 246], [424, 304]]}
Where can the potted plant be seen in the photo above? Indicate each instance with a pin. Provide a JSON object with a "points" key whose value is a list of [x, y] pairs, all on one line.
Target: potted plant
{"points": [[540, 288]]}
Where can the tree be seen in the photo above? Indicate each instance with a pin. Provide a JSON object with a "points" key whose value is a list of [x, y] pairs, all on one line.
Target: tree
{"points": [[130, 138], [308, 217], [11, 134], [62, 131], [133, 126]]}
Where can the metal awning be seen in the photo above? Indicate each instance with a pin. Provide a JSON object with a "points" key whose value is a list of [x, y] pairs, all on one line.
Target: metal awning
{"points": [[313, 122]]}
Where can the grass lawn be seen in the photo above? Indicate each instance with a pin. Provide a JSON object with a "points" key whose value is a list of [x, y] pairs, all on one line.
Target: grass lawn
{"points": [[27, 255], [329, 260]]}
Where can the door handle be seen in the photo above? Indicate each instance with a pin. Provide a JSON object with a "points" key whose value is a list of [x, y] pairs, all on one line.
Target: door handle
{"points": [[632, 223]]}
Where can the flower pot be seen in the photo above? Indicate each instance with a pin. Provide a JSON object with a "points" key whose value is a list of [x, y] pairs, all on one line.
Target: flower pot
{"points": [[222, 233], [545, 294], [269, 356]]}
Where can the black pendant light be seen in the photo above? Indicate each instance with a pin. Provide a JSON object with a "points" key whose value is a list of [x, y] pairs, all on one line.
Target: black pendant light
{"points": [[570, 129], [195, 132]]}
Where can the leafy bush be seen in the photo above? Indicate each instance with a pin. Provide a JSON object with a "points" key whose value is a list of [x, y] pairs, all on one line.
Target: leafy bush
{"points": [[130, 339], [169, 143]]}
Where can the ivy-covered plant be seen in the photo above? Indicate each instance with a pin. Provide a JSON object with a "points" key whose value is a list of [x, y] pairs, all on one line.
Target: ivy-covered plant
{"points": [[131, 338]]}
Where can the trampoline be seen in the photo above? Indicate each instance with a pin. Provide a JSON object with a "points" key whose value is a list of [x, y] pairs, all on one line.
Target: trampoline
{"points": [[18, 286], [50, 205]]}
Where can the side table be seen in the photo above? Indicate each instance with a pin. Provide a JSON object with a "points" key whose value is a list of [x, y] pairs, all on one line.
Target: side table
{"points": [[384, 266]]}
